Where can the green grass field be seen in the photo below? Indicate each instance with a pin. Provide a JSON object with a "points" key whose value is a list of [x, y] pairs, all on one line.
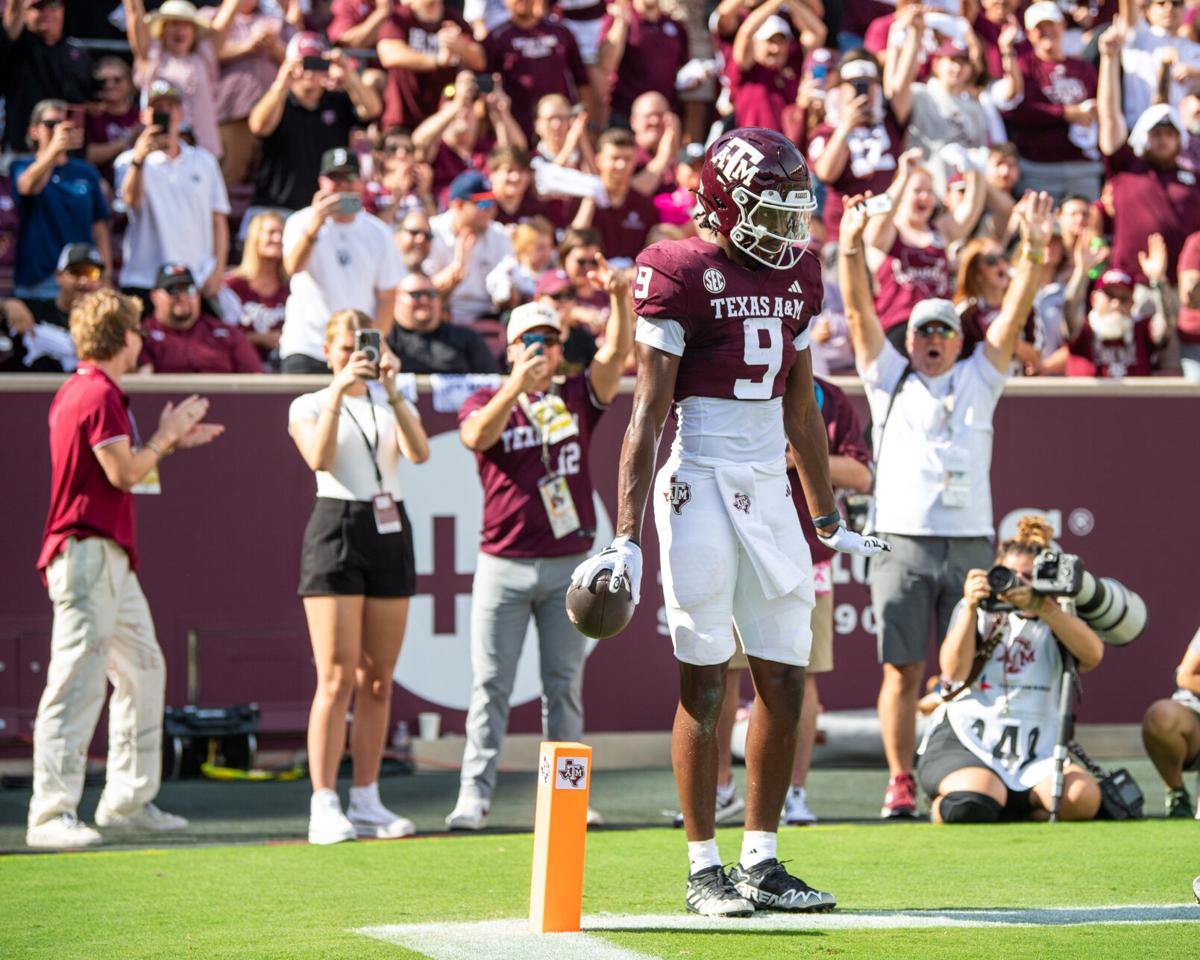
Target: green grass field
{"points": [[296, 901]]}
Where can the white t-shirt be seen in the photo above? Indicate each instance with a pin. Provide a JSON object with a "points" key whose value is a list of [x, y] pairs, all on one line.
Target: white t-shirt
{"points": [[352, 477], [174, 222], [470, 299], [348, 263], [937, 426], [1140, 61]]}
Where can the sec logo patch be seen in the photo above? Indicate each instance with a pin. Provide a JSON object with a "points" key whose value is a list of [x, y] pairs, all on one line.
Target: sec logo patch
{"points": [[714, 280]]}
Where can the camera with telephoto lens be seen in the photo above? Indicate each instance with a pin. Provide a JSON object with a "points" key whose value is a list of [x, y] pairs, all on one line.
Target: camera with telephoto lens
{"points": [[1112, 610]]}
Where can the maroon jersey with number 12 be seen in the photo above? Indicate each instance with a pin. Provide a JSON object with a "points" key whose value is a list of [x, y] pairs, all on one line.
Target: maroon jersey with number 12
{"points": [[740, 325]]}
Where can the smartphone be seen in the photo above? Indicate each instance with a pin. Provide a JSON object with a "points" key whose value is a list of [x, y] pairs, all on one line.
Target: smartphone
{"points": [[368, 342], [348, 204], [484, 83], [161, 119], [530, 338], [879, 203], [862, 87], [75, 115], [316, 64]]}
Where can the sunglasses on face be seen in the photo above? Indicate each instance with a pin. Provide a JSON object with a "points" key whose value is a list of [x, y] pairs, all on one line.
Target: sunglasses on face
{"points": [[586, 263], [929, 330], [991, 259], [187, 290], [549, 340], [422, 294], [562, 295], [1121, 297], [423, 234], [85, 273], [109, 80], [484, 204], [50, 124], [1167, 3]]}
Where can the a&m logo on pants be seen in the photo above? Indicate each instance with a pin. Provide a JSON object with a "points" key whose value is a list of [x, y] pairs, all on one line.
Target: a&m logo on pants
{"points": [[741, 502], [677, 494]]}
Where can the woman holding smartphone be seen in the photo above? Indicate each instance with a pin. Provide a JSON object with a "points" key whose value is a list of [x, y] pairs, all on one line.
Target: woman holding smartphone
{"points": [[356, 569]]}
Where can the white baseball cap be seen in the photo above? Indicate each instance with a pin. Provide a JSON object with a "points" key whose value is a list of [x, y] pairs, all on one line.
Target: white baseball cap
{"points": [[934, 311], [1041, 12], [772, 27], [530, 315]]}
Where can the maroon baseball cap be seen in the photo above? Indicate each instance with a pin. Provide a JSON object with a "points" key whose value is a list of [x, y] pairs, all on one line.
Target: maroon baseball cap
{"points": [[954, 49], [552, 282], [1114, 278], [307, 45]]}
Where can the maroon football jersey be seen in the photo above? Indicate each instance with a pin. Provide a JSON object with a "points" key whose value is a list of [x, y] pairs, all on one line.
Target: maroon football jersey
{"points": [[515, 523], [739, 324]]}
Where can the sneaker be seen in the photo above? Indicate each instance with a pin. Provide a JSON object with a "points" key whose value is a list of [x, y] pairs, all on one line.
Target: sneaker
{"points": [[900, 800], [470, 813], [1196, 889], [64, 832], [729, 804], [1179, 804], [326, 822], [595, 818], [148, 817], [711, 894], [371, 818], [770, 887], [795, 808]]}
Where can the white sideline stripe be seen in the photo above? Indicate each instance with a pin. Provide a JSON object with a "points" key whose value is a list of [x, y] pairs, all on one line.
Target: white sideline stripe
{"points": [[512, 940]]}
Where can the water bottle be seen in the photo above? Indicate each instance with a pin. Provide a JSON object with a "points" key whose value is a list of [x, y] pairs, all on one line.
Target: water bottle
{"points": [[820, 70], [401, 741]]}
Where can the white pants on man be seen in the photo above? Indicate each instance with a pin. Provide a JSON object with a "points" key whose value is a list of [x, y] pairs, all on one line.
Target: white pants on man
{"points": [[102, 633]]}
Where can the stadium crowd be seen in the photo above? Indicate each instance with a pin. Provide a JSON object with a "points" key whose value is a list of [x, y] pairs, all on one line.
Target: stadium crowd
{"points": [[457, 177], [273, 149]]}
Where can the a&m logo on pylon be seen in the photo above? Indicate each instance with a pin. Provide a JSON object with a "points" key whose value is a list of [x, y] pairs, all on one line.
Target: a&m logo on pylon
{"points": [[572, 774]]}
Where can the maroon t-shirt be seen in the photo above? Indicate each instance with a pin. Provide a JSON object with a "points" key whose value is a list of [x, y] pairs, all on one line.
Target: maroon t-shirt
{"points": [[515, 523], [106, 127], [1036, 125], [209, 346], [846, 439], [761, 94], [1189, 317], [411, 97], [534, 63], [858, 15], [909, 275], [259, 314], [1150, 200], [1090, 357], [989, 39], [447, 165], [624, 228], [347, 14], [532, 205], [721, 305], [654, 53], [871, 165], [88, 412]]}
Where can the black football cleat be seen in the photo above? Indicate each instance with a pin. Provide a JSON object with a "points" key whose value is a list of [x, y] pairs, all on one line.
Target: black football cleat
{"points": [[711, 894], [770, 887]]}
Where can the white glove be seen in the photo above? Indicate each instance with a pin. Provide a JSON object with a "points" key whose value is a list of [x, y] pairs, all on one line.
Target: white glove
{"points": [[844, 540], [623, 558]]}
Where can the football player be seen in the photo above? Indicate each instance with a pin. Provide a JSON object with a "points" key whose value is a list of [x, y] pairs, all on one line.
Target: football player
{"points": [[722, 335]]}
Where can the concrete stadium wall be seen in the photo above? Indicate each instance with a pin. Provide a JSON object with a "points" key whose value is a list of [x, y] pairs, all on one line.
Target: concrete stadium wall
{"points": [[1115, 464]]}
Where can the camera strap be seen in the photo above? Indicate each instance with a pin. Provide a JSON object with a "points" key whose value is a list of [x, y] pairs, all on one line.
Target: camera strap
{"points": [[984, 648]]}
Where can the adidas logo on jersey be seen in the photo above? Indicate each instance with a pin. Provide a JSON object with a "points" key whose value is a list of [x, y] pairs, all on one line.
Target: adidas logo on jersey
{"points": [[795, 287]]}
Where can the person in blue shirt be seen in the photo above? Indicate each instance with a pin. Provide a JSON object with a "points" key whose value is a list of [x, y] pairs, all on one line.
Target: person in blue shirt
{"points": [[59, 201]]}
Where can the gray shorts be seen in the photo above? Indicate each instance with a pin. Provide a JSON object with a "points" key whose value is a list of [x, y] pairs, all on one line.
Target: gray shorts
{"points": [[914, 589]]}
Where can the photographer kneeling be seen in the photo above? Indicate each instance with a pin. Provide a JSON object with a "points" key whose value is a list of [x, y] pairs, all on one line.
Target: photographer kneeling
{"points": [[989, 753]]}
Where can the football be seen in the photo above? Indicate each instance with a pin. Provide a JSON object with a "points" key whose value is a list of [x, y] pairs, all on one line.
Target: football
{"points": [[596, 611]]}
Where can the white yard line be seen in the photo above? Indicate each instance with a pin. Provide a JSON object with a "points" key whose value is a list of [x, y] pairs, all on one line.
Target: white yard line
{"points": [[511, 939]]}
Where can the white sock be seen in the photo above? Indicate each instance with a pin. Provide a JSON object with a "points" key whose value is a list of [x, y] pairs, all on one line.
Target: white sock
{"points": [[321, 798], [367, 796], [701, 855], [757, 846]]}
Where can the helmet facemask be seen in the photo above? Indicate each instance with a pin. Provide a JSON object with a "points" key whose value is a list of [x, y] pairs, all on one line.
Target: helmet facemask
{"points": [[772, 229]]}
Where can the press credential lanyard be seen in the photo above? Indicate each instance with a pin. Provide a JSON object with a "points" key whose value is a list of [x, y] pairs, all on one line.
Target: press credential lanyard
{"points": [[555, 494], [387, 514], [150, 483]]}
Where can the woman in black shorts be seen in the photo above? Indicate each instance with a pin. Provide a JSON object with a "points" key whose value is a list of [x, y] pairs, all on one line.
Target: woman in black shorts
{"points": [[356, 572], [989, 754]]}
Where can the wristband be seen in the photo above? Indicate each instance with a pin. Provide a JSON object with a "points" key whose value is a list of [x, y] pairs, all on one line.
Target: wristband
{"points": [[827, 520], [137, 164], [158, 451], [1034, 256]]}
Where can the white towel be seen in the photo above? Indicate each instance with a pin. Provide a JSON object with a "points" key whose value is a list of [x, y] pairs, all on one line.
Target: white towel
{"points": [[739, 486]]}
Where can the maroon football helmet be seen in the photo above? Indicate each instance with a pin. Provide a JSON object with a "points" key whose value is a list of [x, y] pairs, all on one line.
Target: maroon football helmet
{"points": [[755, 189]]}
